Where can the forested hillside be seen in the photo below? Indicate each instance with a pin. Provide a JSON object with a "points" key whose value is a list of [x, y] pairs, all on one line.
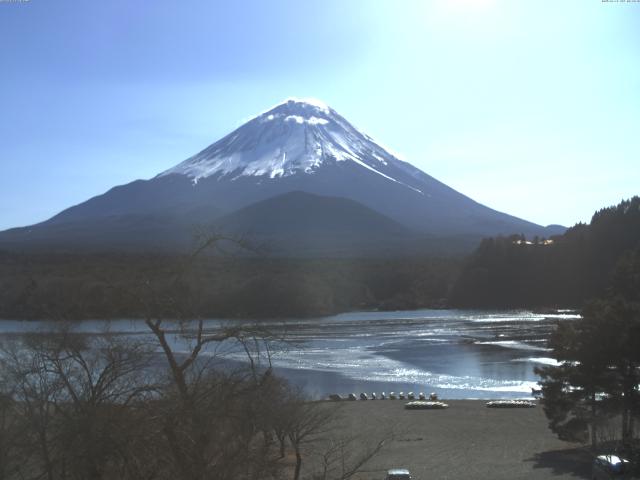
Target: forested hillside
{"points": [[123, 286], [503, 272], [561, 271]]}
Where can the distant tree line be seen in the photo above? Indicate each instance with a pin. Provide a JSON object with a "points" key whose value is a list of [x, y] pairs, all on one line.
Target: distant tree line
{"points": [[36, 286], [564, 271], [503, 272]]}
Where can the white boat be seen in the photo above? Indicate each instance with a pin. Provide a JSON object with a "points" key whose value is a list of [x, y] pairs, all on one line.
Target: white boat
{"points": [[422, 405], [511, 404]]}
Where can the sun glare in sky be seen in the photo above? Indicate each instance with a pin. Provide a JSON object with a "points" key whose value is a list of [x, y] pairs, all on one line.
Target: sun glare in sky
{"points": [[465, 5]]}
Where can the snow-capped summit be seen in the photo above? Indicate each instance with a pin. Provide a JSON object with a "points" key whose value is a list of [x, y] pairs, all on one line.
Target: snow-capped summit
{"points": [[296, 136]]}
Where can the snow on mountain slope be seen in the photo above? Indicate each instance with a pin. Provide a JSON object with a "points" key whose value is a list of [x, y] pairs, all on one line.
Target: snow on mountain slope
{"points": [[297, 136], [299, 146]]}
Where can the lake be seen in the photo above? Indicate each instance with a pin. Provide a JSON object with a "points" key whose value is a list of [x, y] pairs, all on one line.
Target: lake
{"points": [[456, 353]]}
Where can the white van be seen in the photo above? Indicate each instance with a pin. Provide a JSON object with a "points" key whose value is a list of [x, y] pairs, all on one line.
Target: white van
{"points": [[398, 474], [606, 467]]}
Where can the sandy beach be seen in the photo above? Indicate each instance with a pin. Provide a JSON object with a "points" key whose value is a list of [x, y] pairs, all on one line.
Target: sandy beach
{"points": [[465, 441]]}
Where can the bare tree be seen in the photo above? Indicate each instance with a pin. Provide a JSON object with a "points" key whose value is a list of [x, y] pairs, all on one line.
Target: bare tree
{"points": [[10, 431], [343, 456], [213, 412], [315, 431], [211, 416], [74, 395], [34, 394], [306, 422]]}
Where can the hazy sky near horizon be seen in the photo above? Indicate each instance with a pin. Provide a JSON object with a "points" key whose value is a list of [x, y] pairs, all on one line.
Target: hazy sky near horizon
{"points": [[529, 107]]}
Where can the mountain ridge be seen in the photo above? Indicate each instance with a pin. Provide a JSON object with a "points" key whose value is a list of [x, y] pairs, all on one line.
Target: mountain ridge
{"points": [[297, 146]]}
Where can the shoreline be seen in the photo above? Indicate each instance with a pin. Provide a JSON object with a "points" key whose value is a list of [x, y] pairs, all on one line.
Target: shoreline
{"points": [[307, 316], [320, 384], [457, 354]]}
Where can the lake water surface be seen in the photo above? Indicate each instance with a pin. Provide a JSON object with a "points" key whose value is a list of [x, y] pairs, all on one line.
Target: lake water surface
{"points": [[456, 353]]}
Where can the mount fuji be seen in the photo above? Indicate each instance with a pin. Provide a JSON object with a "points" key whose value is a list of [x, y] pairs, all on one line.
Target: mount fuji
{"points": [[300, 176]]}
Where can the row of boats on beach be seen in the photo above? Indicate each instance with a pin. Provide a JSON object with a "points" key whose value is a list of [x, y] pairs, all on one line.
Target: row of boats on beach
{"points": [[383, 396], [420, 401]]}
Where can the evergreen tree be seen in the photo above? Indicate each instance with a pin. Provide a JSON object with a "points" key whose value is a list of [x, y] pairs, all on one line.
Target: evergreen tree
{"points": [[599, 372]]}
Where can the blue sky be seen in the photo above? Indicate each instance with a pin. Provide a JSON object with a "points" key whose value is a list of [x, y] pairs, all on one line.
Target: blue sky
{"points": [[530, 107]]}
